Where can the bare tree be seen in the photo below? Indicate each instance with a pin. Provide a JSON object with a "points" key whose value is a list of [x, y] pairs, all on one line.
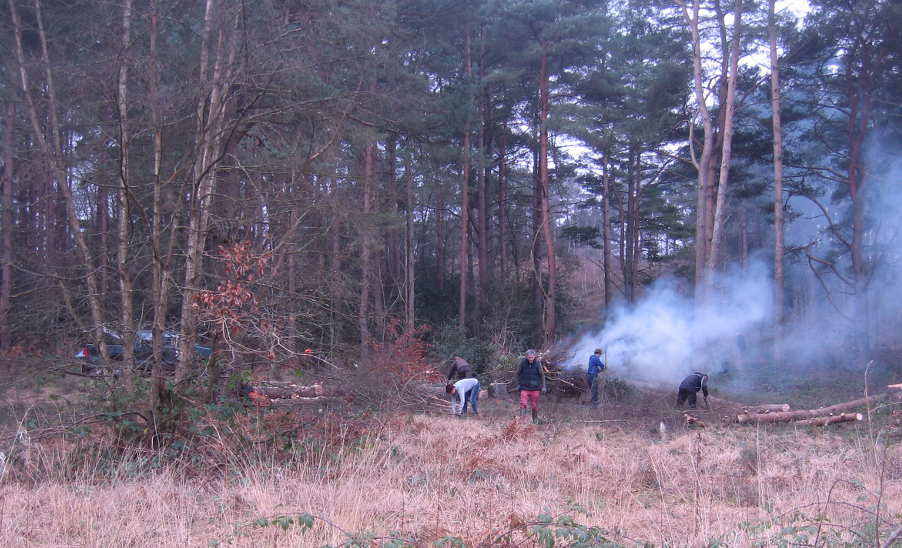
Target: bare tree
{"points": [[465, 208], [778, 183], [6, 223], [210, 137], [606, 229], [122, 266], [366, 266], [702, 163], [720, 208], [51, 149], [549, 315]]}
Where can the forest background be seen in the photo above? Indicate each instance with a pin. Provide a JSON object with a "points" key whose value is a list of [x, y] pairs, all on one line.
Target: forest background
{"points": [[336, 196], [271, 177]]}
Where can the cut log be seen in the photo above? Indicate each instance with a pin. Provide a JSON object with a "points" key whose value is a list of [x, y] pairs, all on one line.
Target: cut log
{"points": [[303, 402], [895, 386], [692, 421], [767, 408], [823, 421], [788, 416]]}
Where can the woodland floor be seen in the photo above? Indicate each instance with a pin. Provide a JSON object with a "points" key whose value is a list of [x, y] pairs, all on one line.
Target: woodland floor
{"points": [[424, 477]]}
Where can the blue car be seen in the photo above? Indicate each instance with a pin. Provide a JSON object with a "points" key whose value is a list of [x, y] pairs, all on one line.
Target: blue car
{"points": [[92, 364]]}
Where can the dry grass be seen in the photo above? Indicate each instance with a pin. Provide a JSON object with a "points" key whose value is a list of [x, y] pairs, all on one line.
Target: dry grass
{"points": [[430, 476]]}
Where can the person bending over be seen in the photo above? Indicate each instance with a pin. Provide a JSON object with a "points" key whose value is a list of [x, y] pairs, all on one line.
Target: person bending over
{"points": [[460, 368], [689, 387], [464, 391]]}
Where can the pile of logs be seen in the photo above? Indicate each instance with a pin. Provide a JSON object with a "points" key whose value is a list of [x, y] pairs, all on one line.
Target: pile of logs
{"points": [[764, 414], [288, 394]]}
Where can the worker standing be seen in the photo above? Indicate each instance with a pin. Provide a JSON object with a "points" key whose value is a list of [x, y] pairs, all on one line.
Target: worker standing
{"points": [[596, 366], [531, 380]]}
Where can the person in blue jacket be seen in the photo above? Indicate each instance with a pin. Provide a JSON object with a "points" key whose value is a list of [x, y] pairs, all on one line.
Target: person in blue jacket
{"points": [[596, 366]]}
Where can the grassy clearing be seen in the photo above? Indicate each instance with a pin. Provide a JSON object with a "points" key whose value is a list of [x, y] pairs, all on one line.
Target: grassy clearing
{"points": [[424, 478]]}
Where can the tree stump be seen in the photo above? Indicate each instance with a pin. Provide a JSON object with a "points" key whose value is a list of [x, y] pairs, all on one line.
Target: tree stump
{"points": [[498, 390]]}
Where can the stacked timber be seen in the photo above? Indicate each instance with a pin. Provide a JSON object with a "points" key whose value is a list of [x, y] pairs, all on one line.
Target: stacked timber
{"points": [[289, 394], [819, 417]]}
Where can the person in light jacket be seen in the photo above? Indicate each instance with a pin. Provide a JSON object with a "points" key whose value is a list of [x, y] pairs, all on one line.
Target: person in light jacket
{"points": [[463, 392]]}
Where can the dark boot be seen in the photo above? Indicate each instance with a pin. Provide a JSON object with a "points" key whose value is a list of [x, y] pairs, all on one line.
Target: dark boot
{"points": [[535, 416]]}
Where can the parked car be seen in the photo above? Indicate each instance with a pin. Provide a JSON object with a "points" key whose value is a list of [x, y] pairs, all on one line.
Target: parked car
{"points": [[92, 363]]}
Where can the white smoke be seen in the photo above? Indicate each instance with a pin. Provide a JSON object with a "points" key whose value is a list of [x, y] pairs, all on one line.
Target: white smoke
{"points": [[665, 336]]}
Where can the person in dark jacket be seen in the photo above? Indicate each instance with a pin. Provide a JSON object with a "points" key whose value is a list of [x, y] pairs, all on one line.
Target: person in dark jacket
{"points": [[596, 366], [689, 387], [531, 381], [461, 368]]}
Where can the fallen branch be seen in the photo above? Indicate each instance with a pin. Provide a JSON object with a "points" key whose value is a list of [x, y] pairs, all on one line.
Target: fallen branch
{"points": [[301, 401]]}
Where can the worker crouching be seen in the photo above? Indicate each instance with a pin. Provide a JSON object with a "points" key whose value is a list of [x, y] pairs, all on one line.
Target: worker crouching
{"points": [[690, 387]]}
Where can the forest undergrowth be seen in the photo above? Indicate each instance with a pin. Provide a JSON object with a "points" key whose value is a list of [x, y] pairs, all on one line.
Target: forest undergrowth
{"points": [[414, 479]]}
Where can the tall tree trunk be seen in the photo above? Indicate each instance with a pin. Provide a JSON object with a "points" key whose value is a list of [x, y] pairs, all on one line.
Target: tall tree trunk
{"points": [[482, 222], [726, 153], [125, 281], [606, 229], [549, 316], [102, 227], [366, 267], [52, 153], [503, 245], [465, 209], [629, 226], [779, 247], [6, 225], [859, 118], [622, 236], [394, 236], [702, 163], [635, 233], [291, 316], [211, 111], [409, 256], [160, 269], [535, 248], [743, 227], [441, 231]]}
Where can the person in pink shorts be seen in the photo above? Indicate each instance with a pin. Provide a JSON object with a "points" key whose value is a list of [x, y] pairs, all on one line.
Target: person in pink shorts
{"points": [[531, 380]]}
